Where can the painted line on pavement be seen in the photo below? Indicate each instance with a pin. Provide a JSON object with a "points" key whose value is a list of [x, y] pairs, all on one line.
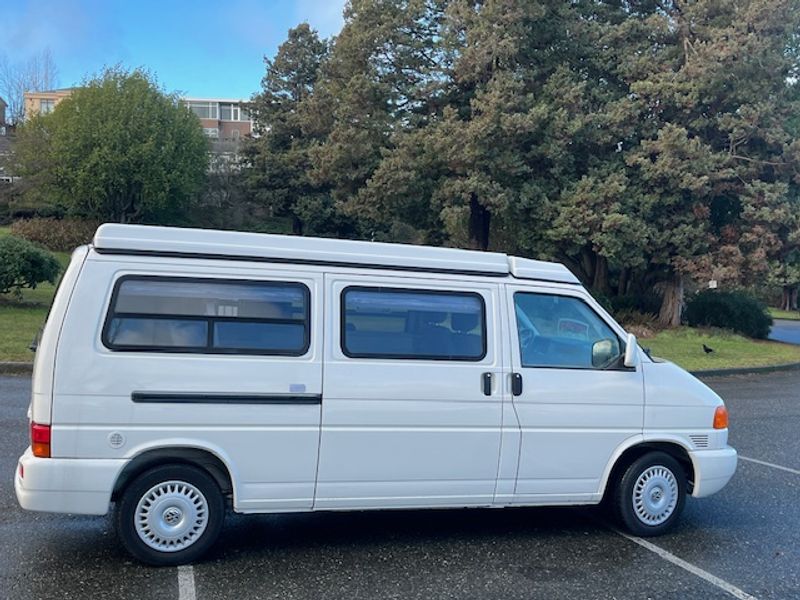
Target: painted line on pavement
{"points": [[769, 464], [687, 566], [186, 589]]}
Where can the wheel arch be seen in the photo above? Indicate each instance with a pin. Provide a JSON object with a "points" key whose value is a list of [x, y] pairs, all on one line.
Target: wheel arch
{"points": [[197, 456], [639, 446]]}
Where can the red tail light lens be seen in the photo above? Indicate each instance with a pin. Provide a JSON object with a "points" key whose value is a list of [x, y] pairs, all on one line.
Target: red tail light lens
{"points": [[40, 440]]}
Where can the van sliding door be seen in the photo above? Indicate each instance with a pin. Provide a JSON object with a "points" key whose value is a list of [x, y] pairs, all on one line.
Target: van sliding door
{"points": [[412, 406]]}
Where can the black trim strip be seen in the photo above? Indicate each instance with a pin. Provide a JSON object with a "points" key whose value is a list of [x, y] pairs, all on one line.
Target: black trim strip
{"points": [[301, 261], [206, 398]]}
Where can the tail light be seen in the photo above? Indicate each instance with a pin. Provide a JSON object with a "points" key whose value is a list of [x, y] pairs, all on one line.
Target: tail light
{"points": [[40, 440], [721, 418]]}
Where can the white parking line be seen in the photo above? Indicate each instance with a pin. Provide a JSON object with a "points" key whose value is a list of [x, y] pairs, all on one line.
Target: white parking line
{"points": [[769, 464], [186, 583], [694, 570]]}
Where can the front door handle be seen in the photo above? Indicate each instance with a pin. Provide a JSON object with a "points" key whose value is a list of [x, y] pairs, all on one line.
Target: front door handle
{"points": [[486, 384], [516, 384]]}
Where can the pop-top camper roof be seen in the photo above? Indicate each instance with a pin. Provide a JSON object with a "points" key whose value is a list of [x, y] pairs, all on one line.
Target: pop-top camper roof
{"points": [[232, 245]]}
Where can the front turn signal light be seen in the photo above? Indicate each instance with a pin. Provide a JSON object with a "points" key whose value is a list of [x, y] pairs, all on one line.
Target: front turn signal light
{"points": [[721, 418]]}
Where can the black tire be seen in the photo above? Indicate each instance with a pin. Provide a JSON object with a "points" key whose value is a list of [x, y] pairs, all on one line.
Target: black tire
{"points": [[660, 518], [168, 506]]}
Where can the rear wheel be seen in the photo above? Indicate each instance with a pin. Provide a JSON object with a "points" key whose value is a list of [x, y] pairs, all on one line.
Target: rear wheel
{"points": [[650, 494], [170, 515]]}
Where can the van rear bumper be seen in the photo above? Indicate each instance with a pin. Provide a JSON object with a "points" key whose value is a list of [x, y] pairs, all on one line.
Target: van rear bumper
{"points": [[65, 485], [713, 469]]}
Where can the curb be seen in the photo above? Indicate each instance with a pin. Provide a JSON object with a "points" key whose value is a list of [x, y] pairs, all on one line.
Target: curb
{"points": [[747, 370], [15, 368]]}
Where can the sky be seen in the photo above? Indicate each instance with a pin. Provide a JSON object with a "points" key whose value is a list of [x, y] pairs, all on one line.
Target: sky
{"points": [[198, 48]]}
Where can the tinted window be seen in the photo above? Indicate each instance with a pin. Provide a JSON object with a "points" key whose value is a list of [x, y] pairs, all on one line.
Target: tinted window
{"points": [[382, 322], [209, 316], [560, 331]]}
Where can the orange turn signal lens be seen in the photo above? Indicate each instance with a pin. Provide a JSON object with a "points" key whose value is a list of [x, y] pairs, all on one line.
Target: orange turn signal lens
{"points": [[721, 418]]}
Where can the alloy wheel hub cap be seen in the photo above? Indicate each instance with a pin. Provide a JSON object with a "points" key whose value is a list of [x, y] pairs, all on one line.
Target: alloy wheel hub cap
{"points": [[171, 516], [655, 495]]}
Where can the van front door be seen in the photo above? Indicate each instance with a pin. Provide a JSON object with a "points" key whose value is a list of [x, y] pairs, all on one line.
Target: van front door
{"points": [[574, 400], [411, 409]]}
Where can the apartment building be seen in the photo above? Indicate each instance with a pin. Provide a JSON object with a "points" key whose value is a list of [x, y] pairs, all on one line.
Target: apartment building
{"points": [[222, 119], [225, 120], [37, 103]]}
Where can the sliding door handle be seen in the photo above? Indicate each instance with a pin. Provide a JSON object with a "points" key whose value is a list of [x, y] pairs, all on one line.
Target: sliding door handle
{"points": [[516, 384], [486, 384]]}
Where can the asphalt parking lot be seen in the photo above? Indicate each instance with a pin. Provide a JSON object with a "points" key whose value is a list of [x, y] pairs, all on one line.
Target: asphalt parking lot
{"points": [[742, 543]]}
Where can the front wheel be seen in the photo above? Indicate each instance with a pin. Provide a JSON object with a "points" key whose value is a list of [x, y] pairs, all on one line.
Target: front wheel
{"points": [[650, 495], [170, 515]]}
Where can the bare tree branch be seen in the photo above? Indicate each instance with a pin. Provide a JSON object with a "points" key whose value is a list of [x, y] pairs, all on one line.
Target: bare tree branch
{"points": [[36, 74]]}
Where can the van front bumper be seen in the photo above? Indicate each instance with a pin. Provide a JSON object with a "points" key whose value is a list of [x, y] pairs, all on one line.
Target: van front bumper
{"points": [[65, 485], [713, 469]]}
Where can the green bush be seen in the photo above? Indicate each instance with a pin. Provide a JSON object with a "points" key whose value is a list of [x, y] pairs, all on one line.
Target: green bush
{"points": [[22, 264], [738, 311], [60, 235]]}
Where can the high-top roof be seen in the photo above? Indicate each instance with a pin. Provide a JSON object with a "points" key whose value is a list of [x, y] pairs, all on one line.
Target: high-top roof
{"points": [[233, 245]]}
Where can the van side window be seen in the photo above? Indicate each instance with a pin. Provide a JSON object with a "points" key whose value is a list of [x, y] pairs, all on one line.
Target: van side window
{"points": [[211, 316], [561, 331], [413, 324]]}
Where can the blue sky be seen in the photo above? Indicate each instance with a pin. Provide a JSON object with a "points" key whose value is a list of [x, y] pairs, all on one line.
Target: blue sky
{"points": [[199, 48]]}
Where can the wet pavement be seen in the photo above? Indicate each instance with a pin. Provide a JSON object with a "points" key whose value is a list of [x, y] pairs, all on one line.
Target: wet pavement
{"points": [[742, 542]]}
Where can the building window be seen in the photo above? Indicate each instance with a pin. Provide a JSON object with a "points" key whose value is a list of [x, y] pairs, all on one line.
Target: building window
{"points": [[211, 132], [204, 110], [413, 324], [208, 316], [229, 112], [46, 106]]}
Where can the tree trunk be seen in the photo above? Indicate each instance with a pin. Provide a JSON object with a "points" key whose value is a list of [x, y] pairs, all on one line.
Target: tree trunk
{"points": [[479, 220], [622, 285], [600, 279], [793, 298], [786, 297], [672, 302], [297, 225]]}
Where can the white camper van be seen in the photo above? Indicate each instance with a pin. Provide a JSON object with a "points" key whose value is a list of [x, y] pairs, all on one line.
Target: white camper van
{"points": [[182, 373]]}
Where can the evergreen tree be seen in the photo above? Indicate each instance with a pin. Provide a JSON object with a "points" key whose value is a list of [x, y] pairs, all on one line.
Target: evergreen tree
{"points": [[276, 160]]}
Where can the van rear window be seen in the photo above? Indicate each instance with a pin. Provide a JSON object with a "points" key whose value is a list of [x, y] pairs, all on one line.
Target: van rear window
{"points": [[413, 324], [209, 316]]}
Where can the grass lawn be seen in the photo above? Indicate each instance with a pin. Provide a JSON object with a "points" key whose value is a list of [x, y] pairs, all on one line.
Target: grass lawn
{"points": [[20, 320], [684, 346], [791, 315]]}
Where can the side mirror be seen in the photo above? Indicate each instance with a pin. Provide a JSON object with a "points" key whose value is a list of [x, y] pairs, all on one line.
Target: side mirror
{"points": [[603, 352], [631, 352]]}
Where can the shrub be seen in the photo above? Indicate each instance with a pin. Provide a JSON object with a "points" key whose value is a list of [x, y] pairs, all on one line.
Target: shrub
{"points": [[648, 303], [738, 311], [22, 264], [55, 234]]}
